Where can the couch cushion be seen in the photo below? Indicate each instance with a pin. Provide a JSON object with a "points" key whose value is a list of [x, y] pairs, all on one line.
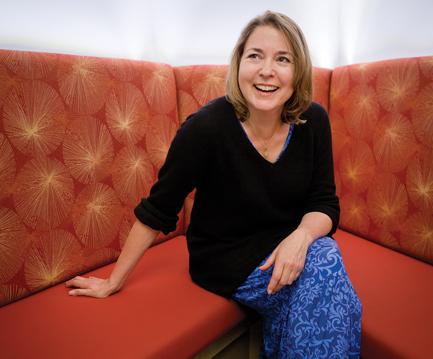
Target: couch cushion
{"points": [[196, 85], [382, 126], [159, 313], [396, 292], [81, 141]]}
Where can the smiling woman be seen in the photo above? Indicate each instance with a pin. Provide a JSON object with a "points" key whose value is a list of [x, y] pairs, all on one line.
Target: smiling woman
{"points": [[266, 82], [265, 207], [266, 72], [272, 43]]}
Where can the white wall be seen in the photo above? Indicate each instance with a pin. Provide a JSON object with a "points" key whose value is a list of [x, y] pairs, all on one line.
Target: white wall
{"points": [[376, 30], [204, 31]]}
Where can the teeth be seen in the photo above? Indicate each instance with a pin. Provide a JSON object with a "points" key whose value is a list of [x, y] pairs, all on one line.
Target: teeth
{"points": [[266, 88]]}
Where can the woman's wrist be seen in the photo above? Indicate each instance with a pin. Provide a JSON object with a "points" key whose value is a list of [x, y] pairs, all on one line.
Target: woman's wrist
{"points": [[114, 285], [306, 234]]}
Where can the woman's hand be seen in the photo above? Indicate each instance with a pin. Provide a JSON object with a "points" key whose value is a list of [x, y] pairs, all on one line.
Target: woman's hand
{"points": [[140, 238], [91, 287], [288, 260]]}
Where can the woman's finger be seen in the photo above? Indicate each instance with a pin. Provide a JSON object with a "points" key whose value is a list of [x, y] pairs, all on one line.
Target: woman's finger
{"points": [[71, 282], [79, 282], [286, 275], [300, 267], [276, 277], [293, 276], [269, 262], [289, 275], [295, 273], [78, 292]]}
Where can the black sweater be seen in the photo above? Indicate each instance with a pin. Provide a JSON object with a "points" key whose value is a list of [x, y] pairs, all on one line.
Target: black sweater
{"points": [[244, 205]]}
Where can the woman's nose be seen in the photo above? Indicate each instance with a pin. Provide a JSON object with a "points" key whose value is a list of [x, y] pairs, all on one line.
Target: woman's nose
{"points": [[267, 68]]}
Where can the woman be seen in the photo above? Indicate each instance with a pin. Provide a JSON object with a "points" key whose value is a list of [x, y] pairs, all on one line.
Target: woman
{"points": [[265, 206]]}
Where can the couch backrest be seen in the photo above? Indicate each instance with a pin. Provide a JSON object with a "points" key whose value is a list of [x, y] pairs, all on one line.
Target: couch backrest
{"points": [[81, 140], [196, 85], [382, 122]]}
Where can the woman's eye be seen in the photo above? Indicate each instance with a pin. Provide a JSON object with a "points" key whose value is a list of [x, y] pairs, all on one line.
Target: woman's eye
{"points": [[253, 56], [284, 59]]}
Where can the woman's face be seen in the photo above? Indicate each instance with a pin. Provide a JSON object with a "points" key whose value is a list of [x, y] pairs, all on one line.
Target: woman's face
{"points": [[266, 71]]}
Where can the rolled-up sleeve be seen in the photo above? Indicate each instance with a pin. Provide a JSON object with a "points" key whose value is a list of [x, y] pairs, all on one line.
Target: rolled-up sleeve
{"points": [[177, 177], [322, 192]]}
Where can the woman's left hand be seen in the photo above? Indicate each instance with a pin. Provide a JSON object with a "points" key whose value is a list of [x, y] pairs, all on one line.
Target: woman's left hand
{"points": [[288, 260]]}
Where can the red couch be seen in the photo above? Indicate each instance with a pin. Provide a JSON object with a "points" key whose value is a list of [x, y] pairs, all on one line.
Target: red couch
{"points": [[82, 140]]}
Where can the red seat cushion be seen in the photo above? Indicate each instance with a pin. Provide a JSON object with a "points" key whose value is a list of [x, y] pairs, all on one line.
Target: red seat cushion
{"points": [[159, 313], [397, 296]]}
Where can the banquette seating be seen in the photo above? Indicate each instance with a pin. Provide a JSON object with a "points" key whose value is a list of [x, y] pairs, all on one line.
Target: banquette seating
{"points": [[82, 140]]}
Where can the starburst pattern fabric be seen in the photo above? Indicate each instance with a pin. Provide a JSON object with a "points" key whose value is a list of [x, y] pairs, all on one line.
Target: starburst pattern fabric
{"points": [[381, 117], [77, 152], [382, 153]]}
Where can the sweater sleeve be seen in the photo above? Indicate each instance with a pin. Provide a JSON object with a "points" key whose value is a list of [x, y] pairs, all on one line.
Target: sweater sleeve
{"points": [[322, 192], [176, 178]]}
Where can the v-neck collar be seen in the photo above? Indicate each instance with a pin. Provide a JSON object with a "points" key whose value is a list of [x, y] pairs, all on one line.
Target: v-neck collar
{"points": [[251, 145]]}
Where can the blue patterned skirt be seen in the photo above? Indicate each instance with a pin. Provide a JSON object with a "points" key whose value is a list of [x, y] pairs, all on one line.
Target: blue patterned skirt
{"points": [[318, 316]]}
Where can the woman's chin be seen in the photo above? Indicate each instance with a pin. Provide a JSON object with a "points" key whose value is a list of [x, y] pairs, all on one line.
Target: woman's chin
{"points": [[267, 108]]}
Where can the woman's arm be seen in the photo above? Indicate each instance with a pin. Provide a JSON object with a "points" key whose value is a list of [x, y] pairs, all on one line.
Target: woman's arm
{"points": [[315, 225], [176, 178], [139, 239], [289, 256]]}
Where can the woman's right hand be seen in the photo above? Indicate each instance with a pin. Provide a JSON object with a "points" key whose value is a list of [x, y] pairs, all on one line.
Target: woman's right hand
{"points": [[139, 239], [91, 287]]}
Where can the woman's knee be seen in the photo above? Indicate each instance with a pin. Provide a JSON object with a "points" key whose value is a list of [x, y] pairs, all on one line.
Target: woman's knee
{"points": [[324, 255]]}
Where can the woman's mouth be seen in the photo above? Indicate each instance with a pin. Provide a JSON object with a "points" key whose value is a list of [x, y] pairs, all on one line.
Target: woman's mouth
{"points": [[266, 88]]}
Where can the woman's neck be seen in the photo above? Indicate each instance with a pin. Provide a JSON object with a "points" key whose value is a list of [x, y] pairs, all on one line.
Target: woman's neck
{"points": [[267, 134], [264, 125]]}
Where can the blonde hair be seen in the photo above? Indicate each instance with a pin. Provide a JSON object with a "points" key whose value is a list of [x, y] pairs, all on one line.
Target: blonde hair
{"points": [[302, 81]]}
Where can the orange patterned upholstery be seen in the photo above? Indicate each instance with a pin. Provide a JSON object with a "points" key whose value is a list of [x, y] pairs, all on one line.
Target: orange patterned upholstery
{"points": [[321, 85], [82, 139], [196, 86], [396, 292], [81, 142], [161, 314], [382, 122]]}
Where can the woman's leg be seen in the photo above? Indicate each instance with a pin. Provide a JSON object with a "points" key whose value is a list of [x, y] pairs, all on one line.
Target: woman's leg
{"points": [[318, 316], [252, 293]]}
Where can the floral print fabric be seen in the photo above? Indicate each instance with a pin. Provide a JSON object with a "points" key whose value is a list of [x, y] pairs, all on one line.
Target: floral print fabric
{"points": [[318, 316]]}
